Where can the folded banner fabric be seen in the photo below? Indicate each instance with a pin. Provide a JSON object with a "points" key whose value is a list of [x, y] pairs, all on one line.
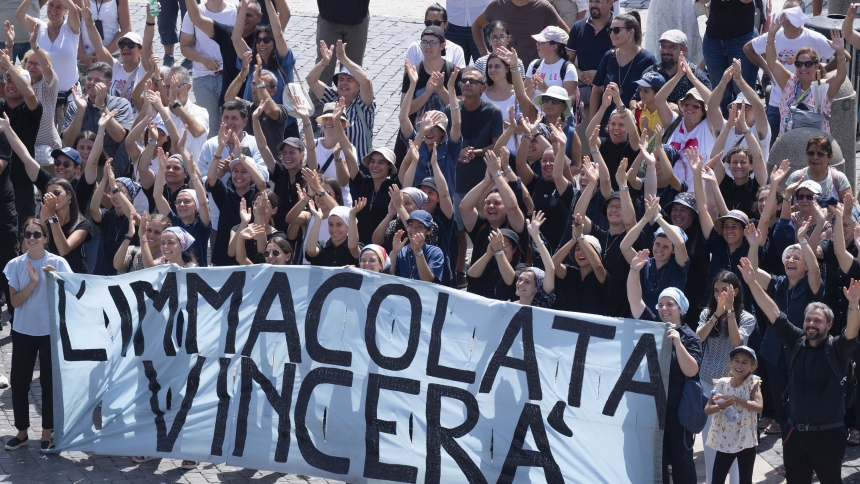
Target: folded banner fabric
{"points": [[351, 375]]}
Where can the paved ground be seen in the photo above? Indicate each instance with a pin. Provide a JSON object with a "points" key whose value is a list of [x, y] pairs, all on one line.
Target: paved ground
{"points": [[395, 24]]}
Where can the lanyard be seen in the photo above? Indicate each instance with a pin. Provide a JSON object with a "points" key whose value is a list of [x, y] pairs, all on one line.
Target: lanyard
{"points": [[799, 100]]}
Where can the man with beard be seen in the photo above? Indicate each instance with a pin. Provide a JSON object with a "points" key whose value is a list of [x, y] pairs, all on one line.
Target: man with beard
{"points": [[588, 42], [816, 404], [672, 44]]}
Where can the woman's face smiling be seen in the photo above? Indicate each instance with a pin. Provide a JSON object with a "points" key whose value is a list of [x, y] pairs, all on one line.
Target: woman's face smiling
{"points": [[369, 261], [378, 166], [171, 249], [497, 70], [526, 286], [276, 260], [186, 209], [337, 229], [806, 74], [33, 243], [622, 37]]}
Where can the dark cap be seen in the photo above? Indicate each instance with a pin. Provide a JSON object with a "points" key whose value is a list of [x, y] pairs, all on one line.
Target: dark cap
{"points": [[420, 215], [686, 199], [292, 141], [744, 349], [67, 151], [429, 182], [435, 32], [511, 235]]}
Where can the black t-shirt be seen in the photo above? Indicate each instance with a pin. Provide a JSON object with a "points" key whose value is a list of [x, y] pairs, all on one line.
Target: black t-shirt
{"points": [[573, 293], [554, 205], [25, 123], [617, 268], [730, 19], [377, 203], [722, 259], [347, 12], [448, 242], [114, 228], [479, 128], [697, 286], [590, 46], [481, 231], [333, 256], [273, 129], [8, 213], [227, 201], [834, 280], [77, 258], [491, 285], [223, 36], [285, 189], [613, 154], [693, 344], [740, 197]]}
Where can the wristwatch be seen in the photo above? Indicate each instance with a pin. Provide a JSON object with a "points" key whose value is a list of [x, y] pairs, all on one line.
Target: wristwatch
{"points": [[498, 174], [35, 48], [52, 220], [420, 253], [175, 105], [321, 194], [101, 106], [115, 190], [261, 85]]}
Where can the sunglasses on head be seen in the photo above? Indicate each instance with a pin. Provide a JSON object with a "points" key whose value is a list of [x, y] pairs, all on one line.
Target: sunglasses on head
{"points": [[808, 196], [820, 154], [63, 163], [264, 40], [126, 44], [273, 253], [616, 30], [437, 23], [36, 235], [806, 64]]}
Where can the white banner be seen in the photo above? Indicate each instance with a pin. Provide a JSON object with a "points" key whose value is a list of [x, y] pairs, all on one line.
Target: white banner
{"points": [[355, 376]]}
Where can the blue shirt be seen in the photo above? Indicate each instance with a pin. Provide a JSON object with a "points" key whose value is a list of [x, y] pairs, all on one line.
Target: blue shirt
{"points": [[654, 280], [200, 232], [624, 76], [589, 44], [407, 265], [447, 154]]}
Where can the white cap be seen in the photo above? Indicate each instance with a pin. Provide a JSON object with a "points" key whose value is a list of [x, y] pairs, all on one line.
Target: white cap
{"points": [[812, 186]]}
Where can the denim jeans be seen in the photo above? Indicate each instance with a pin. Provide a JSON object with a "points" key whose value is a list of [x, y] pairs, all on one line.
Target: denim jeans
{"points": [[718, 57], [773, 120], [462, 36], [167, 25], [207, 94], [19, 50]]}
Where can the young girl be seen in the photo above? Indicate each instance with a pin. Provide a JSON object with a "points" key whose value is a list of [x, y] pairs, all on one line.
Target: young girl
{"points": [[738, 439], [32, 335]]}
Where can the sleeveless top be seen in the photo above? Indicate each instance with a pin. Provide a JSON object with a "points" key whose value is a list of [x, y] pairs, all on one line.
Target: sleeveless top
{"points": [[733, 437]]}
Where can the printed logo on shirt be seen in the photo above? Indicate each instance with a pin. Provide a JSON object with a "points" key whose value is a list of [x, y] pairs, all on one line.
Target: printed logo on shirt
{"points": [[787, 57], [551, 77]]}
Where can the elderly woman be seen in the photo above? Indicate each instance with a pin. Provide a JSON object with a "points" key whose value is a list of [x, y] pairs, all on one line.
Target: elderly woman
{"points": [[819, 153], [671, 306], [806, 85]]}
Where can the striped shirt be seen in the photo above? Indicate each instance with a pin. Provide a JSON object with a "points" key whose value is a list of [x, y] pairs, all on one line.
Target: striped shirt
{"points": [[363, 141]]}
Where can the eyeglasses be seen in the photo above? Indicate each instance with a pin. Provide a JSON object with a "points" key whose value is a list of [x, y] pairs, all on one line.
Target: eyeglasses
{"points": [[126, 44], [551, 100], [613, 207], [32, 64], [430, 43], [63, 164], [499, 38], [273, 253], [668, 47], [331, 194], [806, 64], [617, 30], [264, 40], [95, 80], [808, 196], [36, 235], [547, 162], [367, 261], [820, 154], [472, 81], [437, 23]]}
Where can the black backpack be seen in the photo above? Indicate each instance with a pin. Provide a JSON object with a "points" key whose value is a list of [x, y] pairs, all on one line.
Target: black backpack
{"points": [[846, 375]]}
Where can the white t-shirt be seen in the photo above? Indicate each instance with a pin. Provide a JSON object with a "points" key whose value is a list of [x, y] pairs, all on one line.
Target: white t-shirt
{"points": [[31, 317], [681, 139], [785, 49], [204, 44], [504, 106], [108, 13], [123, 82], [453, 54], [551, 73], [322, 156], [733, 139], [194, 144], [324, 235], [463, 12], [64, 53]]}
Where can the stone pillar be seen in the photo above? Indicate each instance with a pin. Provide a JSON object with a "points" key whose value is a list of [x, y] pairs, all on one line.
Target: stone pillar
{"points": [[843, 126], [792, 146], [838, 7]]}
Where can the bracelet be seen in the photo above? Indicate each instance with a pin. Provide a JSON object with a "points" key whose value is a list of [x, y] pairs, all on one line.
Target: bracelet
{"points": [[803, 242], [498, 174], [452, 108], [508, 170], [500, 252], [151, 24], [194, 178], [634, 270], [595, 152], [580, 237], [152, 142], [854, 309], [127, 237], [841, 58], [658, 218], [730, 312], [625, 188], [216, 156]]}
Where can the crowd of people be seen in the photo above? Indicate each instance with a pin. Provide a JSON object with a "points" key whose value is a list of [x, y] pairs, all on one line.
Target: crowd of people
{"points": [[587, 173]]}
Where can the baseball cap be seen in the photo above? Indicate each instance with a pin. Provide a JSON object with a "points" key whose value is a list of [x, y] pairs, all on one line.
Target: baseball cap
{"points": [[674, 36], [435, 31], [741, 99], [653, 80], [67, 151], [134, 37], [422, 216], [812, 186], [743, 349], [429, 182], [552, 34], [292, 141]]}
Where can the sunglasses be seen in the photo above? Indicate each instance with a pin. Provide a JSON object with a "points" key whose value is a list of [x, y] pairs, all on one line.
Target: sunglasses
{"points": [[694, 104], [806, 64], [63, 164], [820, 154], [126, 44], [616, 30], [273, 253], [36, 235], [474, 82], [264, 40], [551, 100], [437, 23], [808, 196], [58, 193]]}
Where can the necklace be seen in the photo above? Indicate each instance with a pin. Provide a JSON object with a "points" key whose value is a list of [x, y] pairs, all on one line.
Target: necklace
{"points": [[629, 68]]}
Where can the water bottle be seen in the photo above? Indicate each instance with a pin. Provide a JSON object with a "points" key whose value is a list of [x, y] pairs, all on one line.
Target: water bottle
{"points": [[153, 7], [730, 413]]}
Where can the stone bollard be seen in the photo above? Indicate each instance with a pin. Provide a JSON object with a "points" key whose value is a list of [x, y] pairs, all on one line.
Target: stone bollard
{"points": [[792, 147], [838, 7], [843, 126]]}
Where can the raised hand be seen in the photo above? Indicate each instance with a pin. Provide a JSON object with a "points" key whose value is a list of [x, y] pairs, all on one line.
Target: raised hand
{"points": [[416, 242], [778, 173], [621, 173], [244, 212], [577, 226], [357, 205], [589, 170], [49, 206], [411, 72], [399, 242], [852, 293], [837, 42], [33, 273], [261, 109], [252, 231], [326, 53], [497, 240], [532, 128], [640, 260], [312, 207], [747, 271], [753, 235], [535, 223]]}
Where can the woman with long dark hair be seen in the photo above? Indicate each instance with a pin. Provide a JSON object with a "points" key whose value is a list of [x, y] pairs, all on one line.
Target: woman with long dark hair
{"points": [[69, 229], [723, 325]]}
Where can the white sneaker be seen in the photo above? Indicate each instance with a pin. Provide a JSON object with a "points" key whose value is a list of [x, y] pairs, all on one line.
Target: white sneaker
{"points": [[4, 382]]}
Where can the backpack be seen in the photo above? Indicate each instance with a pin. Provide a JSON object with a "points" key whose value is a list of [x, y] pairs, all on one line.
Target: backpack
{"points": [[578, 110], [846, 375]]}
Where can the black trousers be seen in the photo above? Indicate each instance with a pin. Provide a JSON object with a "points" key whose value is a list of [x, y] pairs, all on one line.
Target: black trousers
{"points": [[25, 349], [678, 451], [821, 451], [8, 251], [723, 463]]}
